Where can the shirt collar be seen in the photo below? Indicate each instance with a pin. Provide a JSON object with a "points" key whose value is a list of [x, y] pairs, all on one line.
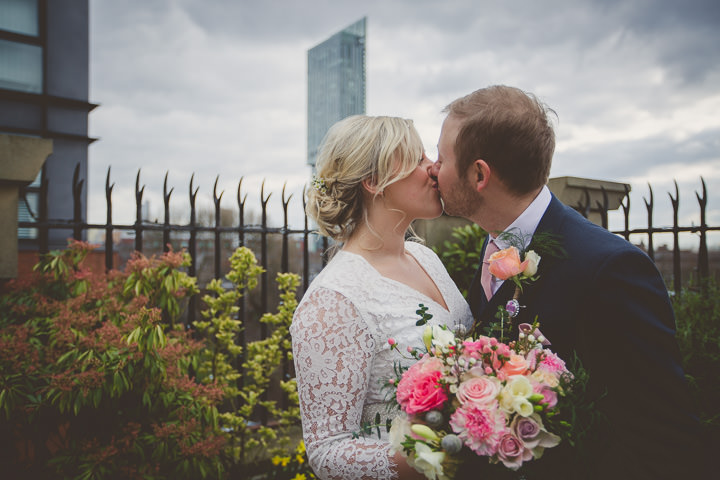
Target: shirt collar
{"points": [[527, 222]]}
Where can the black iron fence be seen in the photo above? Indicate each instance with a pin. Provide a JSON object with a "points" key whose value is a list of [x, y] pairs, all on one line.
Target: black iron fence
{"points": [[278, 248], [285, 249], [676, 268]]}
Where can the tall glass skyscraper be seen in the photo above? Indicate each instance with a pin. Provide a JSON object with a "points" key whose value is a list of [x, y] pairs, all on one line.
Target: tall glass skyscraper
{"points": [[336, 83]]}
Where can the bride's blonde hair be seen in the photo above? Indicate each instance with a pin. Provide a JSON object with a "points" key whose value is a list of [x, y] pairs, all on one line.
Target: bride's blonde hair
{"points": [[382, 150]]}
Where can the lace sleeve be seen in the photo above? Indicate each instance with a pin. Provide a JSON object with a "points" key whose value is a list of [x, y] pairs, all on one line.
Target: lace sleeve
{"points": [[333, 350]]}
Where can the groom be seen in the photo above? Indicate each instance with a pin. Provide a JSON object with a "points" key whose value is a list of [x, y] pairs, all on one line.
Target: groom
{"points": [[603, 298]]}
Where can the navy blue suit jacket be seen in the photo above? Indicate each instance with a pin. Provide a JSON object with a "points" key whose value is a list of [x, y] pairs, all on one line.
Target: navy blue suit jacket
{"points": [[607, 301]]}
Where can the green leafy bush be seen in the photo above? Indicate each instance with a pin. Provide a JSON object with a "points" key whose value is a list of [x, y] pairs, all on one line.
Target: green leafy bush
{"points": [[697, 312], [93, 384], [246, 385], [462, 257]]}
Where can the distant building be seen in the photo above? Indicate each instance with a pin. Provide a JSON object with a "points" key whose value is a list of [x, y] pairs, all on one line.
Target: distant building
{"points": [[44, 79], [336, 83]]}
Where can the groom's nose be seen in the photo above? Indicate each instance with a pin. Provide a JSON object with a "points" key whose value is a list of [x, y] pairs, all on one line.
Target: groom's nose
{"points": [[433, 170]]}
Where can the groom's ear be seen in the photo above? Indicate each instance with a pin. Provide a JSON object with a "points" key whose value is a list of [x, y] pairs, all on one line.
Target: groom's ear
{"points": [[480, 174]]}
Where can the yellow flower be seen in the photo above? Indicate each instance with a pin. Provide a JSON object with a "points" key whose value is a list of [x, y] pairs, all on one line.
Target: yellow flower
{"points": [[301, 447], [276, 460], [300, 459], [299, 476], [284, 461]]}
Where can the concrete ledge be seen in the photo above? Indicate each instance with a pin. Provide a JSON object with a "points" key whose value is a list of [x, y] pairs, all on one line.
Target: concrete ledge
{"points": [[21, 159]]}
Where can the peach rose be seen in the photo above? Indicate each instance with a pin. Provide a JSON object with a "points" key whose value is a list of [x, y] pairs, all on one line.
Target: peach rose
{"points": [[506, 263], [516, 365]]}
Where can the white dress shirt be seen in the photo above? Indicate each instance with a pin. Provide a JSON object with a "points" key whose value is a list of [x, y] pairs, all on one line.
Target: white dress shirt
{"points": [[524, 226]]}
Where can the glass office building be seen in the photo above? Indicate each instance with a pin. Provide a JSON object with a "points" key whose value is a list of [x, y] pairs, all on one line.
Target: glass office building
{"points": [[44, 84], [336, 83]]}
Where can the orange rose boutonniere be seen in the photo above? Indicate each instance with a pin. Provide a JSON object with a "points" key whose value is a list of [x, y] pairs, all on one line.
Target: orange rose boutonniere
{"points": [[506, 264]]}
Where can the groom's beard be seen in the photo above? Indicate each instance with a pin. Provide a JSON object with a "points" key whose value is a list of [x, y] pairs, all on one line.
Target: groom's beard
{"points": [[461, 201]]}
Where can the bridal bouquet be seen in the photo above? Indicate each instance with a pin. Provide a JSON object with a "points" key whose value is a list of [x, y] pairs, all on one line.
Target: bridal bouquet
{"points": [[477, 393]]}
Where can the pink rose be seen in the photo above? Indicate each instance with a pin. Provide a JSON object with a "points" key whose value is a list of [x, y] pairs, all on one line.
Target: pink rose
{"points": [[419, 389], [511, 451], [506, 263], [481, 391], [479, 428], [550, 397]]}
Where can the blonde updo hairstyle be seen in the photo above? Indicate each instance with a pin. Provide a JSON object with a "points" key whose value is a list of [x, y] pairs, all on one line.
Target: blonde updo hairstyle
{"points": [[382, 150]]}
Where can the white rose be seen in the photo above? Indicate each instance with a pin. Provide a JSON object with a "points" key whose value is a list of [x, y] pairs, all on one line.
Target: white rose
{"points": [[543, 376], [533, 260], [519, 386], [522, 406], [442, 337], [429, 462], [517, 389], [399, 428]]}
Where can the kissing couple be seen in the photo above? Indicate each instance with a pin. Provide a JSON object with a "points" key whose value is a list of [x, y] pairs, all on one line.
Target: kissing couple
{"points": [[602, 300]]}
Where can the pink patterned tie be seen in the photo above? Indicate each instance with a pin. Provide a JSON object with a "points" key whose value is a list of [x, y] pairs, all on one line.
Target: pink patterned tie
{"points": [[485, 276]]}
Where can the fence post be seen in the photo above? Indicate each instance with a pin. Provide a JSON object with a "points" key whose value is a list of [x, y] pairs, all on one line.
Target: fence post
{"points": [[77, 203], [649, 205], [138, 214], [264, 279], [166, 222], [109, 241], [306, 246], [703, 260], [218, 253], [603, 207], [625, 204], [192, 247], [44, 229], [677, 274]]}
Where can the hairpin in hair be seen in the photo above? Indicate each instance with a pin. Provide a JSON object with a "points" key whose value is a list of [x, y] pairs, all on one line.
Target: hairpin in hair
{"points": [[319, 184]]}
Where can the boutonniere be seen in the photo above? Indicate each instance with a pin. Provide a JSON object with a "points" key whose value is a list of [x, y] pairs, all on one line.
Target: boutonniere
{"points": [[506, 264], [520, 266]]}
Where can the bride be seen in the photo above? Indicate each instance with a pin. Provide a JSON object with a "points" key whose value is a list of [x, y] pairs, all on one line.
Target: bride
{"points": [[372, 182]]}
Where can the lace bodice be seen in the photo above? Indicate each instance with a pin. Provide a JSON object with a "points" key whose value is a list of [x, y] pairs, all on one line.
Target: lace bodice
{"points": [[342, 357]]}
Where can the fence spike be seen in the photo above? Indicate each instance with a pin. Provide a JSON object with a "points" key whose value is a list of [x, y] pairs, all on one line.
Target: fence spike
{"points": [[264, 200], [107, 181], [167, 194], [193, 195], [217, 199], [702, 200]]}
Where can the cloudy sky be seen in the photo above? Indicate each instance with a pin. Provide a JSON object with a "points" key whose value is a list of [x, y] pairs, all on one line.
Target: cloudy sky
{"points": [[219, 88]]}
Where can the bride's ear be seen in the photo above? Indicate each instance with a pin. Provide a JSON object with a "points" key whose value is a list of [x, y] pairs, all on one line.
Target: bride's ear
{"points": [[370, 186], [480, 174]]}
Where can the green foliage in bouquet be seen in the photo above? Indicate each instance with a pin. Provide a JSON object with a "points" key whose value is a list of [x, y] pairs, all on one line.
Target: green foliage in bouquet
{"points": [[245, 394], [697, 315], [93, 384], [462, 256]]}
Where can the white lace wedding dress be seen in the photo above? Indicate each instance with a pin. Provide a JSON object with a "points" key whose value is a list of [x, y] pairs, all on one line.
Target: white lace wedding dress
{"points": [[342, 357]]}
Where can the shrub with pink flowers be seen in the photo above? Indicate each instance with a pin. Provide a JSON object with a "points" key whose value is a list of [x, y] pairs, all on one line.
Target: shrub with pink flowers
{"points": [[93, 382]]}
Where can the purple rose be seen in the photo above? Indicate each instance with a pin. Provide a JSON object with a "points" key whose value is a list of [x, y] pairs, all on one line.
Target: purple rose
{"points": [[512, 452], [531, 432], [526, 429]]}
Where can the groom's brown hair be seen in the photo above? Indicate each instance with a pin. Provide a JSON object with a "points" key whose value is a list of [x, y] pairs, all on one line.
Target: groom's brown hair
{"points": [[510, 130]]}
